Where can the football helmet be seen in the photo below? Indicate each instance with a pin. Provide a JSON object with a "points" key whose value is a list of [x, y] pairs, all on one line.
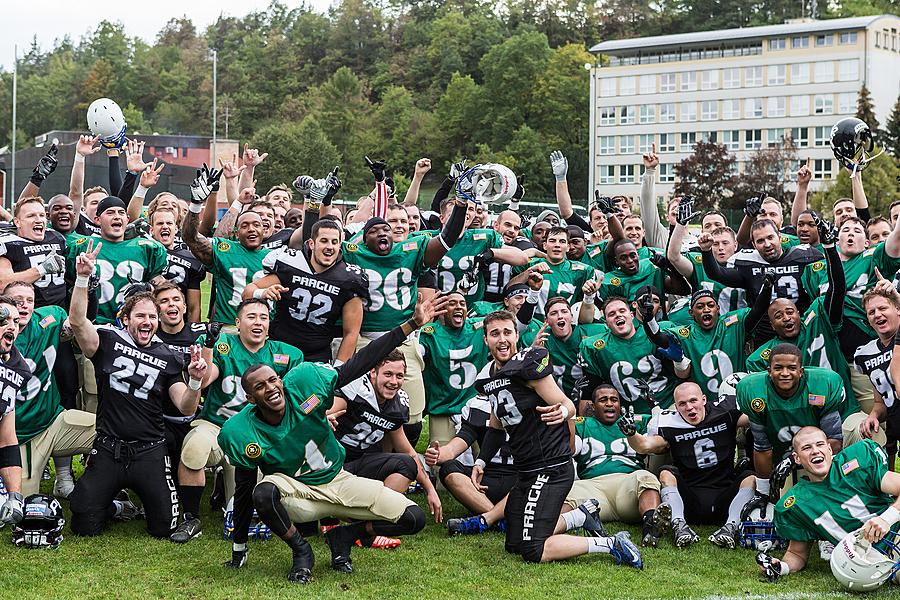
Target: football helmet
{"points": [[258, 530], [851, 143], [728, 388], [105, 119], [758, 531], [489, 183], [42, 524], [860, 566]]}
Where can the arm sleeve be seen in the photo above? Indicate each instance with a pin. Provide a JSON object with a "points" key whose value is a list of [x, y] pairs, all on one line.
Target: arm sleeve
{"points": [[655, 233], [366, 358], [837, 285], [126, 191], [115, 176], [310, 218], [761, 441], [830, 423], [759, 308], [659, 338], [575, 219], [864, 214], [442, 192], [244, 482], [468, 432], [493, 440], [454, 227], [729, 276]]}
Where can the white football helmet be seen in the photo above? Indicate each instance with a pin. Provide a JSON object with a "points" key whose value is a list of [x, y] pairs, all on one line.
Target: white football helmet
{"points": [[758, 531], [728, 387], [105, 119], [490, 183], [860, 566]]}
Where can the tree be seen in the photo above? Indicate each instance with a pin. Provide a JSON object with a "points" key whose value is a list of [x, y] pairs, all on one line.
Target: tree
{"points": [[892, 131], [707, 175], [865, 109], [302, 149], [880, 182], [768, 171]]}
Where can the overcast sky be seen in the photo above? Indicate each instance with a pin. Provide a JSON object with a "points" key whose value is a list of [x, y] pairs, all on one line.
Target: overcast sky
{"points": [[22, 20]]}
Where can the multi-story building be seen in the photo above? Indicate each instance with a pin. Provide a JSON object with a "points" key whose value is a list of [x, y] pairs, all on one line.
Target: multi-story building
{"points": [[745, 88]]}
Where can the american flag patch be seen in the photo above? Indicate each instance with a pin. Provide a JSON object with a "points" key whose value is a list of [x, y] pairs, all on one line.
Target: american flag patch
{"points": [[479, 236], [809, 318], [281, 359], [309, 404], [731, 320], [47, 321], [410, 246], [847, 467], [816, 400], [595, 252]]}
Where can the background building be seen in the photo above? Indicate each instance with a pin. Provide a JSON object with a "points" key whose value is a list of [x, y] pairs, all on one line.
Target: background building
{"points": [[744, 88]]}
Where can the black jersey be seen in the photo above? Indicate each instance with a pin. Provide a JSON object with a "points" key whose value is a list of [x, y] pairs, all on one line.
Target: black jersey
{"points": [[23, 254], [534, 444], [184, 269], [476, 416], [874, 361], [132, 381], [279, 239], [181, 343], [498, 274], [362, 428], [308, 313], [703, 453], [14, 372], [752, 268], [85, 226]]}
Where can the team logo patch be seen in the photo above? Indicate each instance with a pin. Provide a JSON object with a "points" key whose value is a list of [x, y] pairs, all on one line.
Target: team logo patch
{"points": [[849, 467], [698, 258], [80, 241], [222, 348], [223, 246], [816, 400], [428, 329], [599, 344], [615, 281], [765, 354], [252, 450], [309, 404], [579, 420], [410, 246], [785, 239], [352, 247], [790, 501], [818, 266], [47, 321], [281, 359], [758, 405], [684, 332], [544, 362]]}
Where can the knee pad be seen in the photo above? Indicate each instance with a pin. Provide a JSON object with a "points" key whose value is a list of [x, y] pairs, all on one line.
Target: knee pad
{"points": [[264, 494], [449, 468], [532, 551], [406, 466], [412, 520]]}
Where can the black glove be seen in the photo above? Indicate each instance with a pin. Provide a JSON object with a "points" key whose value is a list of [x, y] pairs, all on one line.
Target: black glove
{"points": [[626, 424], [646, 392], [333, 184], [686, 212], [760, 501], [604, 203], [377, 167], [45, 166], [238, 559], [135, 287], [470, 278], [213, 177], [201, 186], [770, 565], [646, 308], [769, 280], [213, 329], [753, 206], [779, 475], [137, 228], [657, 259], [828, 233]]}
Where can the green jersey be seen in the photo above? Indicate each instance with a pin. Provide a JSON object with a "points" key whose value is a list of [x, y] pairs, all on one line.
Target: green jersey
{"points": [[789, 241], [313, 455], [840, 504], [118, 265], [233, 267], [714, 354], [728, 298], [460, 258], [820, 392], [595, 256], [225, 396], [393, 281], [453, 359], [617, 283], [621, 362], [603, 449], [38, 402], [483, 309], [859, 272], [567, 368], [565, 280]]}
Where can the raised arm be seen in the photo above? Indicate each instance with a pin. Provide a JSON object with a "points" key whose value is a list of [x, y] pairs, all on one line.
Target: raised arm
{"points": [[83, 148], [752, 208], [760, 305], [837, 282], [186, 398], [84, 331], [676, 240], [42, 170], [149, 178], [423, 165], [560, 166], [804, 176], [440, 244], [655, 231], [859, 197], [443, 191], [715, 271], [225, 228]]}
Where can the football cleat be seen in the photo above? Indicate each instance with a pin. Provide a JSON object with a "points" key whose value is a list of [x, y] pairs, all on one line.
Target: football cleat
{"points": [[186, 531], [657, 526], [379, 542], [126, 510], [467, 525], [592, 526], [340, 544], [238, 559], [301, 576], [683, 534], [500, 525], [726, 536], [625, 552]]}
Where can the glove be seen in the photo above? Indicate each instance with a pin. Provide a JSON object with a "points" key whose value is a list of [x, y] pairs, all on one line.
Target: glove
{"points": [[760, 501], [213, 176], [12, 510], [769, 280], [770, 565], [578, 389], [457, 169], [45, 166], [686, 212], [135, 287], [318, 190], [753, 206], [646, 392], [201, 187], [828, 233], [559, 164], [779, 475], [377, 167], [626, 424], [213, 329], [604, 203], [657, 259], [673, 352], [94, 281], [646, 307], [138, 228], [333, 184], [470, 278], [54, 264], [238, 559], [303, 184]]}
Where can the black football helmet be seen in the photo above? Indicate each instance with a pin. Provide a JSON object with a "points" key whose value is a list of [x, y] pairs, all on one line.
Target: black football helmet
{"points": [[42, 525], [851, 142]]}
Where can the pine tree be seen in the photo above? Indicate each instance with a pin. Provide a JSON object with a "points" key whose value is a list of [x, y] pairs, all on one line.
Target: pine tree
{"points": [[865, 110], [892, 131]]}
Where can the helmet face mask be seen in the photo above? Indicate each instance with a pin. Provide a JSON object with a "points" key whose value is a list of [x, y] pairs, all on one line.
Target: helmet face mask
{"points": [[860, 566], [42, 524], [758, 531], [489, 183]]}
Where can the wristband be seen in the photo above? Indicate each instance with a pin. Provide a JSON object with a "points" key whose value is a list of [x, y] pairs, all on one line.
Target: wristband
{"points": [[412, 323], [82, 281], [79, 158], [762, 485], [258, 293], [890, 515], [194, 384], [195, 207], [565, 411], [589, 298], [683, 364], [653, 326], [443, 241], [141, 191], [41, 269], [236, 205], [130, 172], [533, 296], [480, 463], [312, 205]]}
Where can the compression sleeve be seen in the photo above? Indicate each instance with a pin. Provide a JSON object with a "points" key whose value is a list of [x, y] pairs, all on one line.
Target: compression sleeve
{"points": [[244, 482], [454, 226], [759, 308], [115, 176], [493, 440], [575, 219], [837, 285], [761, 441], [830, 423], [441, 193], [729, 276], [127, 190]]}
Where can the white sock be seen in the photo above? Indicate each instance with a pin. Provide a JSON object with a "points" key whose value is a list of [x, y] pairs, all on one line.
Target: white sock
{"points": [[600, 544], [573, 518], [737, 504], [671, 496]]}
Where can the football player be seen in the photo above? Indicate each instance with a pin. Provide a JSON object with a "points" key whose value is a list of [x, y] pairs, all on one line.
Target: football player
{"points": [[182, 267], [34, 254], [509, 225]]}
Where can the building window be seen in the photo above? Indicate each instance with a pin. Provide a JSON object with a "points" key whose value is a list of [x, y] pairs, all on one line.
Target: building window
{"points": [[824, 72], [753, 108], [688, 140], [709, 80], [627, 86], [777, 74], [709, 136], [648, 113], [775, 137], [777, 43], [626, 144], [846, 103], [731, 139], [731, 109], [648, 84], [608, 87], [608, 115], [626, 174], [822, 168], [799, 106], [824, 104], [667, 142], [799, 73], [667, 82], [800, 137], [666, 173], [645, 143], [688, 81], [709, 110], [731, 78], [667, 113], [777, 106], [607, 174], [847, 37], [800, 42], [822, 137], [626, 115], [753, 76], [606, 145], [752, 139], [848, 70], [825, 39], [688, 111]]}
